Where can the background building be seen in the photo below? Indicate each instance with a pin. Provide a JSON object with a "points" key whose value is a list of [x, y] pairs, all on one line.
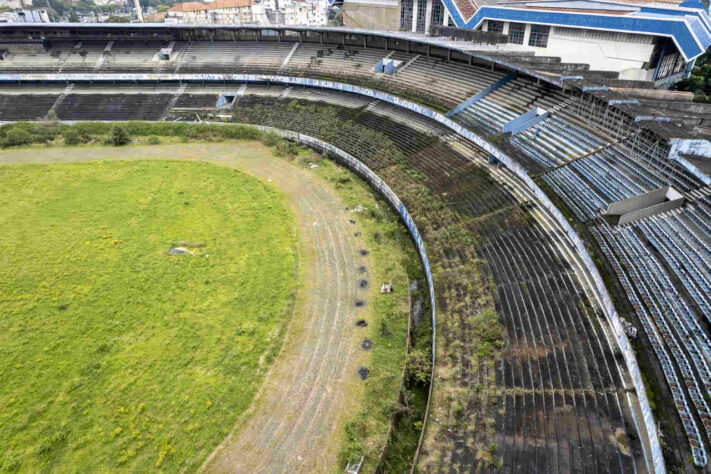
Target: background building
{"points": [[250, 12], [643, 40]]}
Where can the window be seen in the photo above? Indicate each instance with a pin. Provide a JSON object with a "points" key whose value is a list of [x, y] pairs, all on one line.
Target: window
{"points": [[421, 15], [437, 13], [668, 64], [539, 36], [579, 33], [516, 32], [680, 64], [495, 26], [406, 15]]}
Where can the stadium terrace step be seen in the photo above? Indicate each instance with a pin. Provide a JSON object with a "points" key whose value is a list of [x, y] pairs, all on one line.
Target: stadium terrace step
{"points": [[560, 68], [533, 59]]}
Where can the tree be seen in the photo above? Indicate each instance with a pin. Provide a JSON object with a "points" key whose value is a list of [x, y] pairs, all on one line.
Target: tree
{"points": [[119, 136], [16, 137], [699, 81]]}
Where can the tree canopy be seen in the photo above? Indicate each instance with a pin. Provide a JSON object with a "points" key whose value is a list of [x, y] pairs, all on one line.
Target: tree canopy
{"points": [[699, 82]]}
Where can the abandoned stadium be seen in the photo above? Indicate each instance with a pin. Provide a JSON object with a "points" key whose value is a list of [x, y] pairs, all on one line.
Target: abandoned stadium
{"points": [[503, 171]]}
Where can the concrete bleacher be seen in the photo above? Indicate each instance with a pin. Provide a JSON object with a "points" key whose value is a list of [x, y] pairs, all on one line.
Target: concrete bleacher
{"points": [[200, 56], [113, 106], [619, 252], [338, 61], [25, 106]]}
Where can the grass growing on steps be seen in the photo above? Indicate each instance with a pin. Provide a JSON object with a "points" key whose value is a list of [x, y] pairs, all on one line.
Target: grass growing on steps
{"points": [[114, 354]]}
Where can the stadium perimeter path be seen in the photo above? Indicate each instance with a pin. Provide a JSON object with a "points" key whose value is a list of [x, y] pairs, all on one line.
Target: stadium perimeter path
{"points": [[294, 423]]}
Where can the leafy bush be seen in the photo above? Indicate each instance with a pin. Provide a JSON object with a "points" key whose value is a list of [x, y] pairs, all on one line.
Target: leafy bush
{"points": [[71, 137], [16, 137], [419, 367], [153, 141], [119, 136], [699, 82]]}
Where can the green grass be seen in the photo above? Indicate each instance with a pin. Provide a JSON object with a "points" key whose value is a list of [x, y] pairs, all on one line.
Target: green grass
{"points": [[113, 354]]}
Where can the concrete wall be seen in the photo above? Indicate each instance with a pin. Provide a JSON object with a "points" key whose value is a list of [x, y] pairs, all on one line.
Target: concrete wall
{"points": [[603, 55], [650, 211], [377, 17], [626, 57], [637, 202], [645, 205]]}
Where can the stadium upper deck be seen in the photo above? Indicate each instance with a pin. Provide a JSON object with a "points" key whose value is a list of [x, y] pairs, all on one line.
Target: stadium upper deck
{"points": [[443, 52]]}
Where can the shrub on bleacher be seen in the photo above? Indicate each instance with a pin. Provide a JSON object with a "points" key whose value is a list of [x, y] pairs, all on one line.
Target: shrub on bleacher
{"points": [[119, 136], [71, 136], [24, 133], [16, 137]]}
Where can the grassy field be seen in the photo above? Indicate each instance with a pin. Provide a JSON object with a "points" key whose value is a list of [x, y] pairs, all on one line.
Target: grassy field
{"points": [[114, 354]]}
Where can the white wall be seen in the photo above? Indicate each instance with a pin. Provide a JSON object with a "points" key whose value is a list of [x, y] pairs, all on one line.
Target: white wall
{"points": [[602, 55], [626, 57]]}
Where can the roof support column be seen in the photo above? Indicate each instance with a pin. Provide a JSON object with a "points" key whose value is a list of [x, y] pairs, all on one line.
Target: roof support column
{"points": [[659, 62], [428, 17], [415, 7], [446, 17]]}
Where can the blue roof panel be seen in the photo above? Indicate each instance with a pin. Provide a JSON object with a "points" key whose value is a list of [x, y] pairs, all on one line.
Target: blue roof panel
{"points": [[691, 34]]}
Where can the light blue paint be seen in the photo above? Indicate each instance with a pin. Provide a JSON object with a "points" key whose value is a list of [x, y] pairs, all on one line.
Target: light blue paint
{"points": [[225, 99], [525, 120], [475, 98]]}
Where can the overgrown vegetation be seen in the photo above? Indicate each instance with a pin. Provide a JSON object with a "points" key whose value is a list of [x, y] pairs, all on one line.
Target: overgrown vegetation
{"points": [[115, 354], [96, 133], [699, 82], [464, 289]]}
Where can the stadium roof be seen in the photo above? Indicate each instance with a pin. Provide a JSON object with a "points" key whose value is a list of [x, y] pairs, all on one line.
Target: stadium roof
{"points": [[687, 23]]}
